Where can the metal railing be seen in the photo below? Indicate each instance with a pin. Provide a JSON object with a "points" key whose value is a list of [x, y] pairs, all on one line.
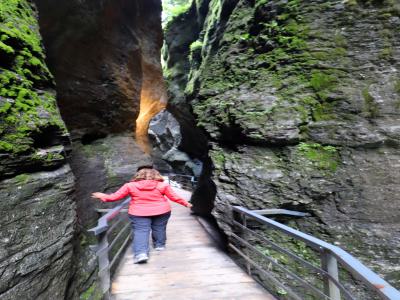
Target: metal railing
{"points": [[186, 182], [113, 234], [106, 225], [329, 258]]}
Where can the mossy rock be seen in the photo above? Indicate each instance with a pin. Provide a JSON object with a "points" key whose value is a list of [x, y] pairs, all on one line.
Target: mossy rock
{"points": [[28, 107]]}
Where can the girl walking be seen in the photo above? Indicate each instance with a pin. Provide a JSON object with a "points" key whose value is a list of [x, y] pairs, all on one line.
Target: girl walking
{"points": [[148, 209]]}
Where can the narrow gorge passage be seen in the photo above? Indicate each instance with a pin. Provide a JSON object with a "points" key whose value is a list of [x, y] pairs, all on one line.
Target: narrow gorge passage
{"points": [[270, 104], [153, 97]]}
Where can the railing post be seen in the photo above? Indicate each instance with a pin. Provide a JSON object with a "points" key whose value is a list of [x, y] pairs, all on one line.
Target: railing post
{"points": [[104, 266], [248, 266], [329, 264], [192, 181]]}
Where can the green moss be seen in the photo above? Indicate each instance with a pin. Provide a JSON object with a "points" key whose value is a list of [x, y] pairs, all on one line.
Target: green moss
{"points": [[22, 178], [92, 293], [386, 53], [339, 51], [340, 40], [218, 157], [370, 106], [321, 81], [19, 23], [397, 86], [174, 11], [48, 157], [321, 55], [25, 104], [323, 112], [6, 146], [320, 111], [289, 67], [195, 45], [5, 48], [323, 157]]}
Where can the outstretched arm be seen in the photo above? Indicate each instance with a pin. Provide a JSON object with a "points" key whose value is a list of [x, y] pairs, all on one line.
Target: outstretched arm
{"points": [[174, 197], [121, 193]]}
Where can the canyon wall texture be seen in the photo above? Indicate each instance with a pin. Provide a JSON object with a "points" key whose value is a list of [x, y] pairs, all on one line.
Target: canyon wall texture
{"points": [[36, 183], [105, 57], [300, 102]]}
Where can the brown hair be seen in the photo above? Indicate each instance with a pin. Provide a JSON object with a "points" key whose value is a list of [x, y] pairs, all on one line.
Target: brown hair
{"points": [[147, 174]]}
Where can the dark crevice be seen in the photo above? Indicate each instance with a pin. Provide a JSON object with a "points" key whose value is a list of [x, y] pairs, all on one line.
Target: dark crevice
{"points": [[89, 138], [47, 137]]}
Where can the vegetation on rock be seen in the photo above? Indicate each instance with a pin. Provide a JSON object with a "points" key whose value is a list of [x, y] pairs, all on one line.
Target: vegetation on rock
{"points": [[324, 157], [27, 105], [173, 8], [296, 98]]}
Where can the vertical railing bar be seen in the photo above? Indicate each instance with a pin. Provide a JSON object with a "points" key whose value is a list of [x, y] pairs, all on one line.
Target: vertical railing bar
{"points": [[248, 265], [373, 281], [286, 270], [278, 248], [119, 251], [116, 223], [104, 265], [118, 235], [329, 264], [271, 277], [306, 264]]}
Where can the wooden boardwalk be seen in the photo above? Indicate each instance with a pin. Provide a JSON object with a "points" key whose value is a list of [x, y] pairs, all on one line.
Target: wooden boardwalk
{"points": [[191, 267]]}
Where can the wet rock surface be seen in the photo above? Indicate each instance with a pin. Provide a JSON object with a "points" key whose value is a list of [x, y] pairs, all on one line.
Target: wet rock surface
{"points": [[36, 237], [96, 62], [300, 106], [36, 183], [103, 165], [104, 56], [166, 138]]}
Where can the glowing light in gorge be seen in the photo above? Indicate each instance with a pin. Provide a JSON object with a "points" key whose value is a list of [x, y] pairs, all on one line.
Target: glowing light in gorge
{"points": [[151, 103]]}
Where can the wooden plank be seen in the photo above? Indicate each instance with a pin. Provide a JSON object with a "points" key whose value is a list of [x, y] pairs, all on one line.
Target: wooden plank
{"points": [[248, 291], [173, 280]]}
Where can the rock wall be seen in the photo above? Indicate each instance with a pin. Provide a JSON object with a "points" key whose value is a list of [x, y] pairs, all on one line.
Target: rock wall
{"points": [[300, 104], [105, 56], [178, 36], [38, 211]]}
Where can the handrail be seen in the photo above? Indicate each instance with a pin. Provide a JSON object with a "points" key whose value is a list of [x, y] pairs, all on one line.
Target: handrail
{"points": [[191, 185], [178, 175], [103, 222], [330, 254], [104, 246]]}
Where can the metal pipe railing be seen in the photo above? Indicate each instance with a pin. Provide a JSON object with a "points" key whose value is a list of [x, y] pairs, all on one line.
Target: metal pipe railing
{"points": [[330, 256], [102, 249]]}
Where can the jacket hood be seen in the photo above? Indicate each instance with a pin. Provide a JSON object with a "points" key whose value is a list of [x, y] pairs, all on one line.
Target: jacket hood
{"points": [[146, 185]]}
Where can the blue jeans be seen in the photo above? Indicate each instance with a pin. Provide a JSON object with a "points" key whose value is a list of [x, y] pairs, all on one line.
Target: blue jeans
{"points": [[141, 226]]}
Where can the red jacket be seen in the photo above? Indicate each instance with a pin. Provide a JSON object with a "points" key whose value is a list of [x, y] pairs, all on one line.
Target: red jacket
{"points": [[147, 197]]}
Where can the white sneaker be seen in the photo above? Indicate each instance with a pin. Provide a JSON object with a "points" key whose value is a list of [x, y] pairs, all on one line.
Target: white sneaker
{"points": [[140, 258], [159, 248]]}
